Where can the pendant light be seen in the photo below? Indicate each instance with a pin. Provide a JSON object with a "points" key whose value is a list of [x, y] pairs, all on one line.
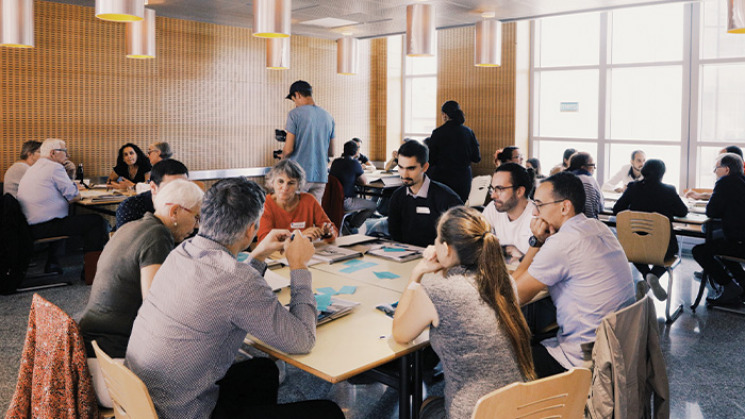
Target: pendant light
{"points": [[277, 53], [488, 44], [272, 18], [120, 10], [17, 23], [141, 36], [736, 16], [346, 56], [420, 30]]}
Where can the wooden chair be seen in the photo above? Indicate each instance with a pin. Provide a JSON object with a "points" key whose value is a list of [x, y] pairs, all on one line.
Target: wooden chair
{"points": [[559, 396], [645, 237], [129, 394]]}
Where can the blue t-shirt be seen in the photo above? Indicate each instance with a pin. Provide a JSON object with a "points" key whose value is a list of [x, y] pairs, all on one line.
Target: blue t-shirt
{"points": [[588, 277], [347, 170], [313, 128]]}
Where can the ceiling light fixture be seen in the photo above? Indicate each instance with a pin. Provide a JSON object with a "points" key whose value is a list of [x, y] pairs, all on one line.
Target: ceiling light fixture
{"points": [[736, 16], [277, 53], [272, 18], [488, 44], [420, 30], [141, 36], [346, 56], [120, 10], [17, 23]]}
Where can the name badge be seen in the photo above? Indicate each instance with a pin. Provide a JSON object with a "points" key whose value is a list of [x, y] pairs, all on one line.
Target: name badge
{"points": [[298, 225], [422, 210]]}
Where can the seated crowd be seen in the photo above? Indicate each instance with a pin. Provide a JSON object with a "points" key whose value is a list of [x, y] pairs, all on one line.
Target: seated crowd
{"points": [[156, 291]]}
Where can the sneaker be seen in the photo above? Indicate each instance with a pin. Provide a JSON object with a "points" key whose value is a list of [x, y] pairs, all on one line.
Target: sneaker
{"points": [[730, 296], [654, 283], [642, 288]]}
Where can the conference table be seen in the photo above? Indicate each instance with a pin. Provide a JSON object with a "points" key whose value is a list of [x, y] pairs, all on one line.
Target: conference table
{"points": [[688, 226], [99, 199], [360, 341]]}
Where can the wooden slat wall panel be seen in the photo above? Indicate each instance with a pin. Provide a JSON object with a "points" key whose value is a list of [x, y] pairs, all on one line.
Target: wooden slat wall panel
{"points": [[207, 93], [486, 95], [378, 86]]}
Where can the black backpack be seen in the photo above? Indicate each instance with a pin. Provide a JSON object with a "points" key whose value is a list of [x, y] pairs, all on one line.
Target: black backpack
{"points": [[16, 245]]}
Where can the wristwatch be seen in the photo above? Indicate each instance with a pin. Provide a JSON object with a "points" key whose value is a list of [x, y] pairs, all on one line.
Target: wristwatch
{"points": [[534, 242]]}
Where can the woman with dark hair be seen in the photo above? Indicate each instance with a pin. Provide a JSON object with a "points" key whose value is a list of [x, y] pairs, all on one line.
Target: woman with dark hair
{"points": [[651, 195], [509, 154], [132, 166], [452, 149], [462, 291], [535, 164]]}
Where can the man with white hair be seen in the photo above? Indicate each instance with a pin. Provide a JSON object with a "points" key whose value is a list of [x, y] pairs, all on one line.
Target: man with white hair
{"points": [[157, 152], [45, 192]]}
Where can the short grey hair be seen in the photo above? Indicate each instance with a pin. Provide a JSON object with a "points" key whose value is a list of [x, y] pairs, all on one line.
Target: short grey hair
{"points": [[733, 161], [179, 192], [289, 168], [229, 208], [49, 145], [165, 150]]}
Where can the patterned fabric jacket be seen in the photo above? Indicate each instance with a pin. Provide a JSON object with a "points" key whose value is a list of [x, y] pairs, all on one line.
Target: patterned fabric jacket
{"points": [[53, 380]]}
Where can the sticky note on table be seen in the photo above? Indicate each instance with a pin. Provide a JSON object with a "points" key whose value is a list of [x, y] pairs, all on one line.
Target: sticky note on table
{"points": [[394, 249], [242, 257], [347, 289], [323, 301], [356, 267], [326, 290], [386, 275], [353, 262]]}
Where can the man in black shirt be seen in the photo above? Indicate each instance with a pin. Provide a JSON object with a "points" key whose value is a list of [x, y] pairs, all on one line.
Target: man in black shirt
{"points": [[364, 161], [416, 206], [349, 172], [726, 203]]}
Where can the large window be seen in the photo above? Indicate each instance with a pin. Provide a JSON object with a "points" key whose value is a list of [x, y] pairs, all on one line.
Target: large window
{"points": [[420, 95], [666, 79]]}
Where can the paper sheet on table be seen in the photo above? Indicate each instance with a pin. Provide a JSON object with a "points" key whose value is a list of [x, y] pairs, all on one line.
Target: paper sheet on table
{"points": [[353, 239], [275, 280]]}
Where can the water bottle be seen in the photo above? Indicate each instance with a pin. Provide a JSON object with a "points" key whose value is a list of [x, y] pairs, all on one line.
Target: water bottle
{"points": [[79, 173]]}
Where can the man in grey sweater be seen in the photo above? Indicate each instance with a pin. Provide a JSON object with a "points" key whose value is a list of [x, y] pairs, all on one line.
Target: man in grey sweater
{"points": [[202, 304]]}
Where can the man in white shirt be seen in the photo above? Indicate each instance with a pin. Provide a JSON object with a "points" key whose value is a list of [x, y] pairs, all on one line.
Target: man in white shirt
{"points": [[510, 211], [45, 192], [628, 173], [30, 153]]}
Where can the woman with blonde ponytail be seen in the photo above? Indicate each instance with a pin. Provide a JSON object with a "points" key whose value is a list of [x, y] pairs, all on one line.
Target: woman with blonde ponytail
{"points": [[461, 290]]}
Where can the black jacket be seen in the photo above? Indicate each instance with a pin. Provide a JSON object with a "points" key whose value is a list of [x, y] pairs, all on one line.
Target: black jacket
{"points": [[728, 203]]}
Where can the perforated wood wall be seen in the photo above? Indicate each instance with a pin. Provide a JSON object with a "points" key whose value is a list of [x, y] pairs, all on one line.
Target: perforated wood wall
{"points": [[207, 93], [486, 95]]}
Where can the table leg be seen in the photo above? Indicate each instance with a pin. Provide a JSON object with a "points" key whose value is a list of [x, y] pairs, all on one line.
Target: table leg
{"points": [[404, 389], [416, 402]]}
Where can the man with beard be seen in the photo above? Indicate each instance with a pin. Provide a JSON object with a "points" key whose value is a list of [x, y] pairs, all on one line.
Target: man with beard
{"points": [[416, 206], [510, 211]]}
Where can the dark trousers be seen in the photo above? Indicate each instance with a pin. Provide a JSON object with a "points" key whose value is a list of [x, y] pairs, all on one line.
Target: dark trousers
{"points": [[92, 228], [545, 364], [658, 271], [249, 390], [721, 271]]}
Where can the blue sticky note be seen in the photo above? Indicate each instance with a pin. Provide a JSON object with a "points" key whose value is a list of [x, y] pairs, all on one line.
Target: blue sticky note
{"points": [[386, 275], [357, 267], [326, 290], [353, 262], [347, 289], [323, 301], [242, 257], [394, 249]]}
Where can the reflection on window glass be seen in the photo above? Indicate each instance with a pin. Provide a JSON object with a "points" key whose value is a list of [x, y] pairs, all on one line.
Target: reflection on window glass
{"points": [[645, 103], [551, 153], [620, 155], [646, 34], [715, 41], [568, 104], [420, 105], [722, 108], [568, 40]]}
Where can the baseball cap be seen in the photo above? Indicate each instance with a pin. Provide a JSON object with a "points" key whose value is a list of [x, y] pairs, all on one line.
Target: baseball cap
{"points": [[299, 86]]}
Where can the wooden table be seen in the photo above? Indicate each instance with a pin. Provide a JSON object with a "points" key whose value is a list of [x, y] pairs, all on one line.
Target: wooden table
{"points": [[359, 341], [88, 200], [367, 275], [689, 226]]}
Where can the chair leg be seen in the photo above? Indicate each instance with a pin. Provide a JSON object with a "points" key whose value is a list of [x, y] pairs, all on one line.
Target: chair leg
{"points": [[678, 310], [702, 286]]}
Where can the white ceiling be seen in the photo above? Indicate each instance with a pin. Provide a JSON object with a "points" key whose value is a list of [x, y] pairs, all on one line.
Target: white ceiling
{"points": [[375, 18]]}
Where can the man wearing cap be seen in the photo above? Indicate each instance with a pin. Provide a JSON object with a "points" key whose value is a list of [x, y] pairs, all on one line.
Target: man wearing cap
{"points": [[310, 130]]}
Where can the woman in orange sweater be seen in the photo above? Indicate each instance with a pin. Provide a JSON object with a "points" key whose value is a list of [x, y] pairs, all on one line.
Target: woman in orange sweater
{"points": [[288, 208]]}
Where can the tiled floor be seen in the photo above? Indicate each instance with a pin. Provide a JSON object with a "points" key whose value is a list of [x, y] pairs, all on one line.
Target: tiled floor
{"points": [[704, 355]]}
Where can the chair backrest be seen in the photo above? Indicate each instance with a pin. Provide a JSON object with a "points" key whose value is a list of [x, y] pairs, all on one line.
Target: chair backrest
{"points": [[559, 396], [16, 247], [129, 394], [644, 236], [479, 191], [333, 201]]}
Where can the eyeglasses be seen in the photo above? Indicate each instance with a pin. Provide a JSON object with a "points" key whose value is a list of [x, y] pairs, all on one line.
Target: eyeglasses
{"points": [[196, 216], [151, 151], [538, 205], [718, 167], [499, 189], [64, 150], [590, 165]]}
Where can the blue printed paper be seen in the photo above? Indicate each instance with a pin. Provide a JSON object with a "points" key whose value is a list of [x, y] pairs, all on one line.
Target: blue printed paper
{"points": [[357, 267], [326, 290], [323, 301], [386, 275], [347, 289], [242, 257], [394, 249], [353, 262]]}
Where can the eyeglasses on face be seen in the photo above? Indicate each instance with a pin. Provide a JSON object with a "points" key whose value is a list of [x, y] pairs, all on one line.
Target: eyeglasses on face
{"points": [[539, 204], [499, 189], [197, 217], [151, 151], [64, 150], [590, 165]]}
